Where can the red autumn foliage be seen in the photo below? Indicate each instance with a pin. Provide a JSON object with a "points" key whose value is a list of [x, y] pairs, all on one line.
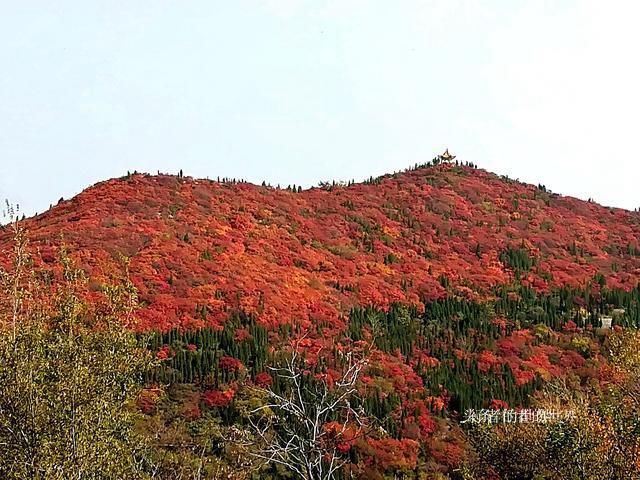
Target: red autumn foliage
{"points": [[487, 361], [571, 359], [164, 352], [279, 254], [447, 452], [263, 379], [342, 436], [200, 249], [497, 404], [242, 334], [230, 364], [436, 404], [419, 416], [390, 454], [218, 398]]}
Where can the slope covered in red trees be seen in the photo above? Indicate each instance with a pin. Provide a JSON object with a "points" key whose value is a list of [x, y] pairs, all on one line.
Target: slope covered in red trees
{"points": [[205, 246], [482, 289]]}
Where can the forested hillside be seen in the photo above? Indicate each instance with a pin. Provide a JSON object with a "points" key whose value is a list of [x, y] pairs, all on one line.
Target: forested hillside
{"points": [[465, 289], [201, 248]]}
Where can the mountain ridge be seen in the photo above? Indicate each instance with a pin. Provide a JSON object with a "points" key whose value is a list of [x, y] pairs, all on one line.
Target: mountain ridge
{"points": [[201, 248]]}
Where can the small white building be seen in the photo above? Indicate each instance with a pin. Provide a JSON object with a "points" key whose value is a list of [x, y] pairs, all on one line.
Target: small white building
{"points": [[606, 321]]}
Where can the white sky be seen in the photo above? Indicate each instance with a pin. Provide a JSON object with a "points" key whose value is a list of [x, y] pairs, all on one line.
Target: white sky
{"points": [[293, 91]]}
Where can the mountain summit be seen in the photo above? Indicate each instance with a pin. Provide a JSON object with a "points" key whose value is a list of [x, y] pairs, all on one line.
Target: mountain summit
{"points": [[199, 248]]}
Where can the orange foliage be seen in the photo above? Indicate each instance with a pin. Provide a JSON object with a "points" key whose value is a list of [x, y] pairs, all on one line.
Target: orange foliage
{"points": [[390, 454], [282, 255]]}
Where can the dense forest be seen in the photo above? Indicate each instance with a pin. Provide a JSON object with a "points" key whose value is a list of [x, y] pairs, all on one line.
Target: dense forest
{"points": [[422, 295]]}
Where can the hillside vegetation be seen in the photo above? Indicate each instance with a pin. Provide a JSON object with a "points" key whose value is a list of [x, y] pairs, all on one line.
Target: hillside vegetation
{"points": [[201, 248], [455, 288]]}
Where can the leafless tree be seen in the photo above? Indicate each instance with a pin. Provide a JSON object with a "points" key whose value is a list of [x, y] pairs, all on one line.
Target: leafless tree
{"points": [[292, 427]]}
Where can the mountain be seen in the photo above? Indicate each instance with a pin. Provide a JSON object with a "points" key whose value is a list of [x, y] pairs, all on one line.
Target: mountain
{"points": [[474, 291], [199, 248]]}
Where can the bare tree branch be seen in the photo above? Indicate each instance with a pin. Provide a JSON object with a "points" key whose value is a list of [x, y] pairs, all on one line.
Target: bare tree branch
{"points": [[292, 427]]}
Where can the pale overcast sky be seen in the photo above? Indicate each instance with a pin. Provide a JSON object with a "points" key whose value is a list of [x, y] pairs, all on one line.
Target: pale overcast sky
{"points": [[294, 91]]}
